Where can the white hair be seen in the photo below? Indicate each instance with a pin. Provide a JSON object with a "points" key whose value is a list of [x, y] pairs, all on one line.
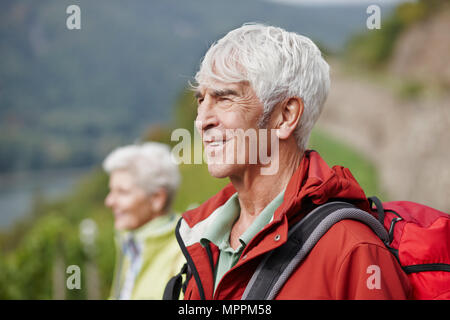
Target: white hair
{"points": [[277, 64], [150, 163]]}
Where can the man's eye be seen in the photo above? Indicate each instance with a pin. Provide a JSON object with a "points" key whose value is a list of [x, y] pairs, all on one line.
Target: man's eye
{"points": [[200, 100]]}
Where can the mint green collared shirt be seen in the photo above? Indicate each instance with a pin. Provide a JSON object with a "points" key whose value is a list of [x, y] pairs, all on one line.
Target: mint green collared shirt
{"points": [[219, 232]]}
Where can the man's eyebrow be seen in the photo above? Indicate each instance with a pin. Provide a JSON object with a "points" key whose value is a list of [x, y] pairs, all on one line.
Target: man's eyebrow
{"points": [[198, 94], [217, 93], [223, 93]]}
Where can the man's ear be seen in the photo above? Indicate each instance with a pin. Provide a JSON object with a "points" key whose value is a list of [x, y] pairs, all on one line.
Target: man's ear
{"points": [[288, 117], [158, 200]]}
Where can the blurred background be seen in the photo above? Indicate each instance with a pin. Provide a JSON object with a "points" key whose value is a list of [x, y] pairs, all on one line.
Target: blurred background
{"points": [[69, 97]]}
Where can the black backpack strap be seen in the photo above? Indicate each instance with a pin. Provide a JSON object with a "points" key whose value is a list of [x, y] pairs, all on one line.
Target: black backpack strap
{"points": [[175, 284], [378, 207], [277, 266]]}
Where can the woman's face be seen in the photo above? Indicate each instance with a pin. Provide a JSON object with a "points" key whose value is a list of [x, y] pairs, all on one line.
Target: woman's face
{"points": [[131, 205]]}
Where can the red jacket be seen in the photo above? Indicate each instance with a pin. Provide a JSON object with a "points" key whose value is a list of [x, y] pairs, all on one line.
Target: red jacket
{"points": [[340, 266]]}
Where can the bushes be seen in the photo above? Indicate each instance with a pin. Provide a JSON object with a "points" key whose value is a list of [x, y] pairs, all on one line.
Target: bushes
{"points": [[374, 47], [35, 266]]}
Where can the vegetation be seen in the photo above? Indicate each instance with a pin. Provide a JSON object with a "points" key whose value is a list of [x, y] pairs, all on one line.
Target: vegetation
{"points": [[373, 48], [335, 152]]}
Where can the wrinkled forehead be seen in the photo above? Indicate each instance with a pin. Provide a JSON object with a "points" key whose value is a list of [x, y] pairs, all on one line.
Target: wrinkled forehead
{"points": [[218, 88]]}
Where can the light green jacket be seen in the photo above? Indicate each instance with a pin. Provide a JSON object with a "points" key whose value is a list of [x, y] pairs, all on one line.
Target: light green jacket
{"points": [[161, 258]]}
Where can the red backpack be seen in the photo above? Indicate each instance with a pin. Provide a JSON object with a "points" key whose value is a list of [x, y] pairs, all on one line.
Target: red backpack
{"points": [[419, 236]]}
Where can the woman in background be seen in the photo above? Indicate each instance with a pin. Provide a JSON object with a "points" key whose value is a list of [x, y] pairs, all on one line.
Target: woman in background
{"points": [[143, 181]]}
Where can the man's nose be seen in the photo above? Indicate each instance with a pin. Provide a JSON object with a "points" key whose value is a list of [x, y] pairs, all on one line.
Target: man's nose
{"points": [[206, 116]]}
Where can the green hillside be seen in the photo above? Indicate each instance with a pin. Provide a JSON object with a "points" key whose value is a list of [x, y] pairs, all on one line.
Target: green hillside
{"points": [[373, 48], [68, 96]]}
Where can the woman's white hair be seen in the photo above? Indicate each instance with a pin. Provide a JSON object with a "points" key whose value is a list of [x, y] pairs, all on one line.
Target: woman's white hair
{"points": [[150, 163], [277, 64]]}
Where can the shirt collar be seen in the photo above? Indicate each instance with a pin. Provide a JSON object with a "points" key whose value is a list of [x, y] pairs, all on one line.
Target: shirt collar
{"points": [[227, 214]]}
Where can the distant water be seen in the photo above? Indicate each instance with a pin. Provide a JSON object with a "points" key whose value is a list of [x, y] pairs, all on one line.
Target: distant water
{"points": [[17, 191]]}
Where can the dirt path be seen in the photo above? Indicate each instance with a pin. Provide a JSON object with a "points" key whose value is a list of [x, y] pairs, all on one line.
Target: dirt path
{"points": [[407, 140]]}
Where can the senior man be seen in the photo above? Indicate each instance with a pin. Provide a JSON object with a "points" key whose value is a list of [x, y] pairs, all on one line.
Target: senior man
{"points": [[260, 78], [143, 181]]}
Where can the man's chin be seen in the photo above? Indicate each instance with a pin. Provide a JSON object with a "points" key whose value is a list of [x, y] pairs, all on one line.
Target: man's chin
{"points": [[222, 170]]}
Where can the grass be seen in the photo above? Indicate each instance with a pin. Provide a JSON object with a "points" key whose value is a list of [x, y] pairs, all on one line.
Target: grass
{"points": [[335, 152], [196, 186]]}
